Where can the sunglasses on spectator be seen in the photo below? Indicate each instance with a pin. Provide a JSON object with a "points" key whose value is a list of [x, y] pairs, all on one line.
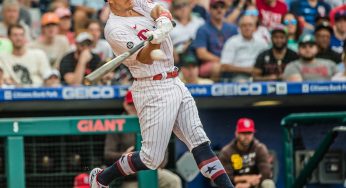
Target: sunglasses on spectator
{"points": [[252, 12], [218, 5], [292, 22], [179, 6]]}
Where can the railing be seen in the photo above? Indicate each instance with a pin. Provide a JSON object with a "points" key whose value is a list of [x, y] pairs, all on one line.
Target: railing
{"points": [[16, 129], [294, 120]]}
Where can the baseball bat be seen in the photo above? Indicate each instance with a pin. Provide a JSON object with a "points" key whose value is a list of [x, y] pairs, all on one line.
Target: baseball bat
{"points": [[116, 62]]}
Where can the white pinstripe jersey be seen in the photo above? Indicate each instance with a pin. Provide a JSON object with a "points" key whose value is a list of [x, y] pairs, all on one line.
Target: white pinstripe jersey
{"points": [[122, 33]]}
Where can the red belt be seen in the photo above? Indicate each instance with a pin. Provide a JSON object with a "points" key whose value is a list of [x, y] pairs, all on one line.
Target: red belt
{"points": [[161, 76]]}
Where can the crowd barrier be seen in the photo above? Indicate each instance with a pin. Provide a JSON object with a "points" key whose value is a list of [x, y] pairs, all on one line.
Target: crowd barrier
{"points": [[15, 129]]}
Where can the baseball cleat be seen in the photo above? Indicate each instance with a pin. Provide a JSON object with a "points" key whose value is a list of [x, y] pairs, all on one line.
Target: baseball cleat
{"points": [[93, 179]]}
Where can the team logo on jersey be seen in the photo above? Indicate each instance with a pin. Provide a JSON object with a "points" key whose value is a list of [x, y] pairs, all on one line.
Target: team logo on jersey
{"points": [[129, 45], [141, 34]]}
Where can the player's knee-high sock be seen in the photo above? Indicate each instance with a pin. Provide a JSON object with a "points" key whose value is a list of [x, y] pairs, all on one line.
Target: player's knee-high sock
{"points": [[128, 164], [210, 165]]}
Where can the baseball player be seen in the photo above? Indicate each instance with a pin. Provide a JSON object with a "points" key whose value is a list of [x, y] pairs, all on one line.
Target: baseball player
{"points": [[162, 101]]}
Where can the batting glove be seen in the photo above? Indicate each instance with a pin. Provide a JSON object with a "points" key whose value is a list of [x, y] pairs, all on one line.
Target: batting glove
{"points": [[164, 22], [158, 36]]}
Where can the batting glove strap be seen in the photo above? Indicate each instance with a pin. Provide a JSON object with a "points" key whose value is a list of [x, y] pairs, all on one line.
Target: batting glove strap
{"points": [[158, 36], [165, 24]]}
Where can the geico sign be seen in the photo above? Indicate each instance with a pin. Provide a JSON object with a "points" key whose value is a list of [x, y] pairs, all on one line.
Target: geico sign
{"points": [[88, 93], [101, 125], [236, 89]]}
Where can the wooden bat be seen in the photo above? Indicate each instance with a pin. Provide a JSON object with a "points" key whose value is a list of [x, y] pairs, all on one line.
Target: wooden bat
{"points": [[116, 62]]}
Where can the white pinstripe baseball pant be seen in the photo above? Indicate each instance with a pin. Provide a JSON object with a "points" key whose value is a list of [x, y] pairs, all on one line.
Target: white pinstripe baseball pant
{"points": [[164, 106]]}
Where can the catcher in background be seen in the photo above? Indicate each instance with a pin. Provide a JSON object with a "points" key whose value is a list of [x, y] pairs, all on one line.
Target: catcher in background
{"points": [[163, 103]]}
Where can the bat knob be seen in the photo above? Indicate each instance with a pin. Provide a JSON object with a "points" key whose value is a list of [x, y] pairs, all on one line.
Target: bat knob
{"points": [[87, 82]]}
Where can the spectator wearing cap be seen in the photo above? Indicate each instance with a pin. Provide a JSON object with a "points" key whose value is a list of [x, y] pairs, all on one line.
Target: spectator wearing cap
{"points": [[271, 12], [55, 46], [308, 67], [271, 63], [294, 30], [211, 38], [189, 70], [240, 51], [11, 16], [81, 181], [308, 10], [65, 24], [323, 33], [186, 27], [79, 63], [335, 10], [24, 65], [99, 46], [337, 40], [118, 144], [52, 78], [246, 159]]}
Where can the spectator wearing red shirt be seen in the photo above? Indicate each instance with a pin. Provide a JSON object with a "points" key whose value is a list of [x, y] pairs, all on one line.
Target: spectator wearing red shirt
{"points": [[271, 12]]}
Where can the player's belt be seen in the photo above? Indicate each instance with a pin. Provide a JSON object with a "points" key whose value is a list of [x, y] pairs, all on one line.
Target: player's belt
{"points": [[161, 76]]}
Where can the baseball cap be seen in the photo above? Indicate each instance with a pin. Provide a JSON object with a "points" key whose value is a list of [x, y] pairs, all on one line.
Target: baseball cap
{"points": [[81, 181], [49, 18], [128, 97], [213, 2], [340, 15], [50, 73], [324, 25], [62, 12], [83, 36], [188, 59], [279, 28], [306, 38], [245, 125]]}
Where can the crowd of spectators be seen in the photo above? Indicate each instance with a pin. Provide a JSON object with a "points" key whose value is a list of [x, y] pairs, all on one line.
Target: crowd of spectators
{"points": [[58, 42]]}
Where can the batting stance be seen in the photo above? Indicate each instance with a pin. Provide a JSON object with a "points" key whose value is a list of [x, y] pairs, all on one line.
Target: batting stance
{"points": [[163, 102]]}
